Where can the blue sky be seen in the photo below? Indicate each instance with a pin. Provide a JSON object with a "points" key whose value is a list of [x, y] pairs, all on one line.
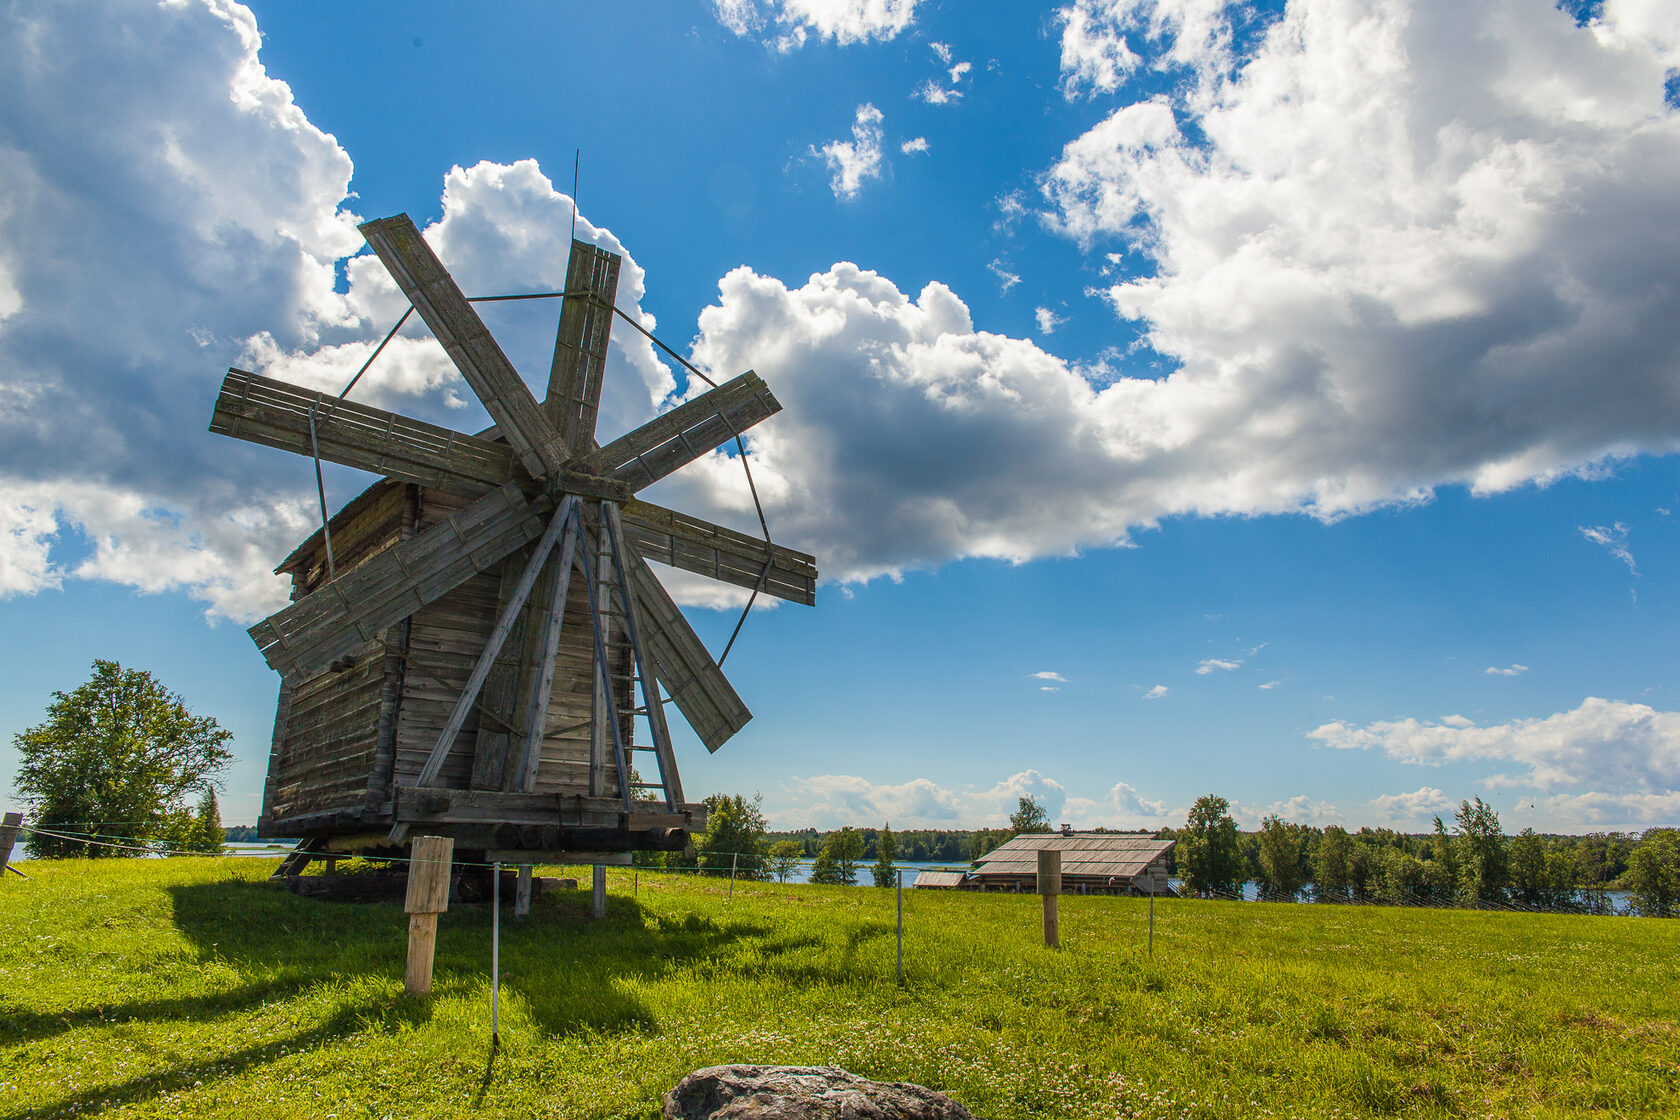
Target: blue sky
{"points": [[1276, 401]]}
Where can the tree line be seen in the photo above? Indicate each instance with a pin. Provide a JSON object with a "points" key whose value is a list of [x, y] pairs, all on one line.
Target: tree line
{"points": [[1473, 863]]}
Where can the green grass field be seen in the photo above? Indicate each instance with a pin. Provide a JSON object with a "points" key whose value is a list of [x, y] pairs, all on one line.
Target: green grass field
{"points": [[191, 987]]}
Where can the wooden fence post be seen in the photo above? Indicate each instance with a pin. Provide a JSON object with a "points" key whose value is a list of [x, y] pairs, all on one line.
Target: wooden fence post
{"points": [[9, 826], [428, 896], [522, 893], [598, 898], [1049, 886]]}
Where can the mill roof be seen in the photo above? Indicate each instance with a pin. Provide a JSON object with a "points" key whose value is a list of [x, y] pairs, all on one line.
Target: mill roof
{"points": [[1099, 854], [946, 880]]}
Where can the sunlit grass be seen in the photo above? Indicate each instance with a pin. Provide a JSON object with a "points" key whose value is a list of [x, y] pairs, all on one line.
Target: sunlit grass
{"points": [[191, 987]]}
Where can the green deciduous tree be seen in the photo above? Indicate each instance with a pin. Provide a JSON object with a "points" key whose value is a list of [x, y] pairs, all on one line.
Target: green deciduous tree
{"points": [[848, 849], [117, 756], [1653, 873], [886, 850], [784, 857], [1479, 850], [734, 837], [1029, 816], [1208, 851], [1279, 867], [1332, 866]]}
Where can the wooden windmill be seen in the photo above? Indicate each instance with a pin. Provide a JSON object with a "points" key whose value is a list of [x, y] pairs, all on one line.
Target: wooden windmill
{"points": [[441, 666]]}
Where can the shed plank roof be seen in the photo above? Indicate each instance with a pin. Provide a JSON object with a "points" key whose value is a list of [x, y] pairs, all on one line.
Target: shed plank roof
{"points": [[1093, 854]]}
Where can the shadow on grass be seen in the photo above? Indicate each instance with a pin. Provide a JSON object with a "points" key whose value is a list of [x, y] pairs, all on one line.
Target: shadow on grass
{"points": [[187, 1075], [567, 967]]}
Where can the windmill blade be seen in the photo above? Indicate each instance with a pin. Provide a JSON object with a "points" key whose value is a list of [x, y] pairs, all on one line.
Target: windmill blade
{"points": [[433, 292], [689, 675], [276, 414], [580, 346], [356, 607], [697, 545], [687, 432]]}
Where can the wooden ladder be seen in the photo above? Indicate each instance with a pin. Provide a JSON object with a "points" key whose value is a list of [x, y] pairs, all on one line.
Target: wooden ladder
{"points": [[298, 858]]}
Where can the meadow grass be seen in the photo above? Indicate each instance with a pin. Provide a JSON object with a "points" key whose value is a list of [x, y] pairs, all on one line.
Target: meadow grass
{"points": [[191, 987]]}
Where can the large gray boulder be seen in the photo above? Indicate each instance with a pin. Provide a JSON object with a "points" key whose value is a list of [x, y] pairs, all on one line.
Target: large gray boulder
{"points": [[803, 1093]]}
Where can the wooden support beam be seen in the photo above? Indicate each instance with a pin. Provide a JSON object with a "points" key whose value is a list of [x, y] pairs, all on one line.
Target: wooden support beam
{"points": [[697, 545], [276, 414], [472, 348], [580, 345], [430, 860], [680, 436], [9, 826], [522, 893], [547, 629], [563, 517], [358, 606], [693, 680], [1050, 886]]}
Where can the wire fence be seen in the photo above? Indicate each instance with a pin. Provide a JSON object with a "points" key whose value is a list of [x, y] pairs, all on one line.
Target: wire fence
{"points": [[760, 867]]}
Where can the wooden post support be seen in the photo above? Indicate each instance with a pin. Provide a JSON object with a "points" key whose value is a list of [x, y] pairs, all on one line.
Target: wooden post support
{"points": [[428, 896], [598, 900], [1049, 886], [9, 826], [522, 893]]}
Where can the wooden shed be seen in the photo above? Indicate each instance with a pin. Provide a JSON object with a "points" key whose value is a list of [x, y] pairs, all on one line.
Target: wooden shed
{"points": [[941, 880], [1092, 863]]}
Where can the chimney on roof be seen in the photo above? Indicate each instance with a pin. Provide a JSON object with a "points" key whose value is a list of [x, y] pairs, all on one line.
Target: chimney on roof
{"points": [[1067, 829]]}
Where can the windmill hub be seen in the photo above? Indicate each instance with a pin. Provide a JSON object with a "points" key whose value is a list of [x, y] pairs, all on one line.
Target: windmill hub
{"points": [[445, 670]]}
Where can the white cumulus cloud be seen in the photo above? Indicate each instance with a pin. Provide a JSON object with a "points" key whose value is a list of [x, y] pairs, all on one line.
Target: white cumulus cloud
{"points": [[1511, 670], [1394, 246], [1601, 746], [1157, 692], [1217, 664], [1049, 675], [795, 21], [856, 160], [171, 212], [914, 146]]}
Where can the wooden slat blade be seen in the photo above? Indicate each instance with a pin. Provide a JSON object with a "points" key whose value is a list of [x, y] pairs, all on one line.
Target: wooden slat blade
{"points": [[689, 675], [697, 545], [359, 605], [434, 294], [687, 432], [580, 347], [276, 414]]}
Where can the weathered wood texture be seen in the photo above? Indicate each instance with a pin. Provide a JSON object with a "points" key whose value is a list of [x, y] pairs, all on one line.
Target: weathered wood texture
{"points": [[328, 741], [580, 345], [697, 545], [276, 414], [9, 826], [393, 585], [680, 436], [472, 348], [689, 675]]}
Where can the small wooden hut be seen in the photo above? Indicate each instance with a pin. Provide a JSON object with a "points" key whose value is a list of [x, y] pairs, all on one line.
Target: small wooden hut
{"points": [[1092, 863]]}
